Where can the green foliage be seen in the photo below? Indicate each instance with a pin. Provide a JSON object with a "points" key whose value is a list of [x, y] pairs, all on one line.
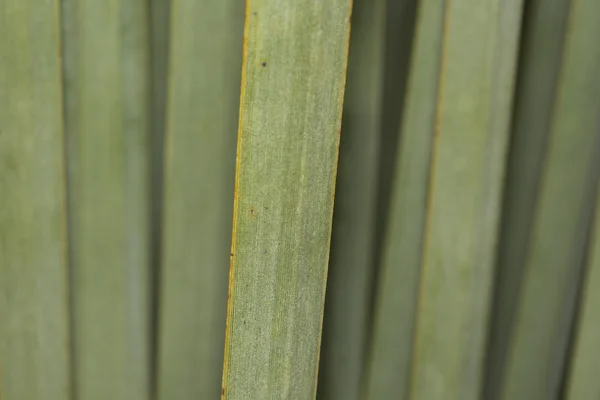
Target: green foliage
{"points": [[34, 356], [291, 104], [583, 382], [203, 103], [540, 55], [464, 238], [389, 371], [470, 137], [561, 218], [108, 131], [349, 289]]}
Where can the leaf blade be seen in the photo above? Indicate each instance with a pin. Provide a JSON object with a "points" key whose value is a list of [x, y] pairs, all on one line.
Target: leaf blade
{"points": [[389, 371], [349, 281], [291, 105], [34, 325], [582, 381], [203, 100], [536, 355], [471, 134], [108, 138]]}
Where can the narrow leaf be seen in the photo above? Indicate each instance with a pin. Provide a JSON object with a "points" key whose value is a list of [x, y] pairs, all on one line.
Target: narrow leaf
{"points": [[349, 283], [583, 380], [472, 124], [389, 371], [292, 91], [160, 13], [537, 349], [400, 21], [203, 102], [107, 97], [540, 58], [34, 353]]}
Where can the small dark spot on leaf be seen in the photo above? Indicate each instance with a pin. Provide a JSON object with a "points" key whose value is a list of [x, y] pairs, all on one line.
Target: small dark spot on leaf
{"points": [[222, 391], [264, 64], [255, 13], [265, 252], [244, 321]]}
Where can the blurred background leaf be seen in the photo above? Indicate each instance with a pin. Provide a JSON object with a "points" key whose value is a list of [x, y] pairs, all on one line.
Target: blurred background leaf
{"points": [[107, 125], [389, 371], [34, 350], [470, 136], [540, 335], [205, 50], [348, 300], [463, 247], [582, 381], [539, 61]]}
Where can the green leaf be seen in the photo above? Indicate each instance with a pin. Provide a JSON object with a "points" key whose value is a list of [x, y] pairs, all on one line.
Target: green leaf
{"points": [[107, 98], [471, 132], [292, 91], [203, 104], [583, 380], [389, 371], [34, 353], [540, 58], [349, 282], [537, 348]]}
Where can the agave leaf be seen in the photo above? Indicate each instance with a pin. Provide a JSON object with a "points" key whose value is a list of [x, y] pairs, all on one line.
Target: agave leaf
{"points": [[349, 282], [107, 120], [541, 51], [471, 132], [160, 15], [388, 371], [203, 101], [34, 353], [399, 38], [160, 12], [542, 44], [583, 380], [562, 212], [292, 91]]}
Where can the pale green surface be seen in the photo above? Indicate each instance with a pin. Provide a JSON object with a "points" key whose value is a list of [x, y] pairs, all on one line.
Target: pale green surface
{"points": [[291, 107], [389, 362], [160, 11], [203, 104], [107, 93], [559, 224], [160, 14], [34, 358], [585, 364], [472, 123], [349, 282], [540, 54]]}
